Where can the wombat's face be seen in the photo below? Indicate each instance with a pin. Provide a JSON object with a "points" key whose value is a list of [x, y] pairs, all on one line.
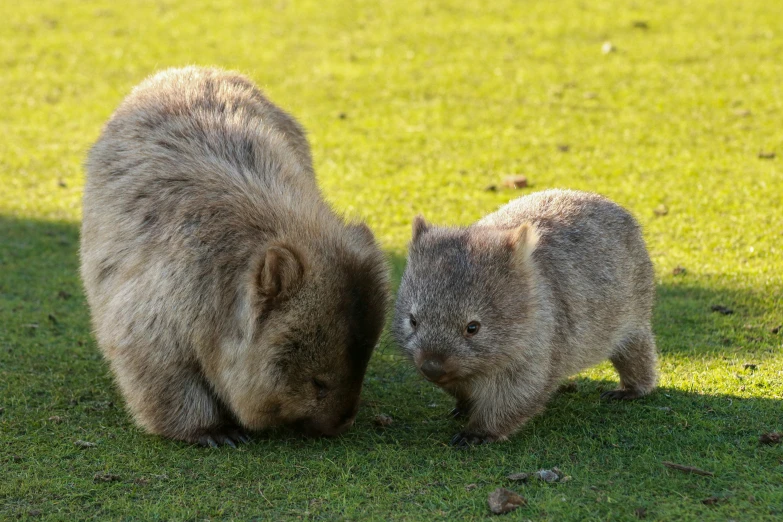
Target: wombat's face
{"points": [[320, 334], [462, 296]]}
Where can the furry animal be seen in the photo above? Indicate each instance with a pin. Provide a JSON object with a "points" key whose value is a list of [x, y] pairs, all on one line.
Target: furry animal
{"points": [[498, 313], [225, 293]]}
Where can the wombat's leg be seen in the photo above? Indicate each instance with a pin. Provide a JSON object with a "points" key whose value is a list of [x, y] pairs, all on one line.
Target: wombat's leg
{"points": [[495, 417], [636, 362], [174, 400], [462, 409]]}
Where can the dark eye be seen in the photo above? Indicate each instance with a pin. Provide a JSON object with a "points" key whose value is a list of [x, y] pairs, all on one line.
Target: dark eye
{"points": [[413, 321], [472, 328], [320, 387]]}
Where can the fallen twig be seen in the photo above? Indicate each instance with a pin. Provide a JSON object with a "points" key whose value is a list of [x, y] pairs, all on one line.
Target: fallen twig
{"points": [[688, 469]]}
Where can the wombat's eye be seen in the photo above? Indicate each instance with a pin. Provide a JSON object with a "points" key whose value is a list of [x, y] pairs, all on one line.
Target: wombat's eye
{"points": [[413, 321], [472, 328], [321, 389]]}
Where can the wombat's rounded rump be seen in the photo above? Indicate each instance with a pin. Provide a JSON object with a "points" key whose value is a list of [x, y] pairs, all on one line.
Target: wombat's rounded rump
{"points": [[224, 291], [500, 312]]}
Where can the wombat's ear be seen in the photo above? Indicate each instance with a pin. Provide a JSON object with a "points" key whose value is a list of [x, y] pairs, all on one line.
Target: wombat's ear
{"points": [[523, 241], [281, 272], [363, 232], [420, 226]]}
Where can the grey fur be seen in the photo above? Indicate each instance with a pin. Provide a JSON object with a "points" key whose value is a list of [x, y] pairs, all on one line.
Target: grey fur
{"points": [[559, 281], [224, 291]]}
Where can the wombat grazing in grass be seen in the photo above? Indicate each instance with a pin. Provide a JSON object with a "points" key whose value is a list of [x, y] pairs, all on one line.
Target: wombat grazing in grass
{"points": [[498, 313], [224, 291]]}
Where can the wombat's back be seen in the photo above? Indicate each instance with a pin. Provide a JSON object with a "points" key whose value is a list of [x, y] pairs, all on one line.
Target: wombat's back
{"points": [[592, 257]]}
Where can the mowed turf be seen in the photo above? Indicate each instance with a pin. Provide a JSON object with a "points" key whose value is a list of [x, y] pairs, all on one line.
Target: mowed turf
{"points": [[417, 107]]}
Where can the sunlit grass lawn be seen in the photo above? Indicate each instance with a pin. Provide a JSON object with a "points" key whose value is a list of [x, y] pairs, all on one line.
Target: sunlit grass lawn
{"points": [[418, 107]]}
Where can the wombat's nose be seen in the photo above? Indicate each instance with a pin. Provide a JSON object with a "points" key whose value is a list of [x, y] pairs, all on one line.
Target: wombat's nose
{"points": [[432, 369]]}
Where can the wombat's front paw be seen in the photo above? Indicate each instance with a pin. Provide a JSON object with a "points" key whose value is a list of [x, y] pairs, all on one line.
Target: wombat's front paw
{"points": [[226, 435], [620, 395], [465, 439]]}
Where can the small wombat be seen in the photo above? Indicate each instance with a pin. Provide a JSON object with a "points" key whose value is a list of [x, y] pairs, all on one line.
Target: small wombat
{"points": [[500, 312], [224, 291]]}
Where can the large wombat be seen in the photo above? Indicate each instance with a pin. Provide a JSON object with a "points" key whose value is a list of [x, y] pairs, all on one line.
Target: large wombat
{"points": [[500, 312], [224, 291]]}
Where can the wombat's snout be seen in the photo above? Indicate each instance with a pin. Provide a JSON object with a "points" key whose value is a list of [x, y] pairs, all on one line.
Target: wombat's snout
{"points": [[314, 427], [432, 369]]}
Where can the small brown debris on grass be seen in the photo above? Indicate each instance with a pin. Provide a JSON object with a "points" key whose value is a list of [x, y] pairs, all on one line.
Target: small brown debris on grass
{"points": [[777, 329], [640, 512], [84, 444], [471, 487], [61, 183], [725, 310], [709, 501], [563, 147], [688, 469], [105, 477], [17, 458], [750, 366], [34, 512], [490, 188], [742, 113], [515, 182], [56, 419], [679, 270], [661, 210], [383, 420], [62, 294], [766, 155], [547, 475], [771, 438], [503, 501], [518, 477], [640, 24], [342, 116]]}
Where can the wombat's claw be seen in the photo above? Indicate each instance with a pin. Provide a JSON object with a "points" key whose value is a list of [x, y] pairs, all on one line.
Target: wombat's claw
{"points": [[231, 438], [465, 440], [620, 395]]}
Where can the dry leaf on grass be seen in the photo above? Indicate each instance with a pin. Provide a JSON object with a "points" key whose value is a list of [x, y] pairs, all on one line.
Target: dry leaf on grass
{"points": [[503, 501]]}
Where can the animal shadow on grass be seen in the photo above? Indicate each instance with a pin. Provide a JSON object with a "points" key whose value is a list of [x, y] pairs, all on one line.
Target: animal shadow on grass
{"points": [[51, 362]]}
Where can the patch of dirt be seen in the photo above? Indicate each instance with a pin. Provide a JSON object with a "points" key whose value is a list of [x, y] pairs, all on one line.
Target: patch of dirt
{"points": [[771, 438], [471, 487], [679, 270], [640, 24], [503, 501], [640, 513], [661, 210], [725, 310], [709, 501], [766, 154], [62, 294], [105, 477]]}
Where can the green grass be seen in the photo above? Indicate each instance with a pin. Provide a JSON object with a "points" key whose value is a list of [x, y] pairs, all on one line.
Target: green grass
{"points": [[416, 107]]}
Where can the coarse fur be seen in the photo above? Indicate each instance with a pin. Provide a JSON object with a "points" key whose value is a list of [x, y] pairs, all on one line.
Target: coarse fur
{"points": [[550, 284], [224, 291]]}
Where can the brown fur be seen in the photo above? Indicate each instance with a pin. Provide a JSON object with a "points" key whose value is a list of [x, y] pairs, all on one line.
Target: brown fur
{"points": [[558, 281], [224, 291]]}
